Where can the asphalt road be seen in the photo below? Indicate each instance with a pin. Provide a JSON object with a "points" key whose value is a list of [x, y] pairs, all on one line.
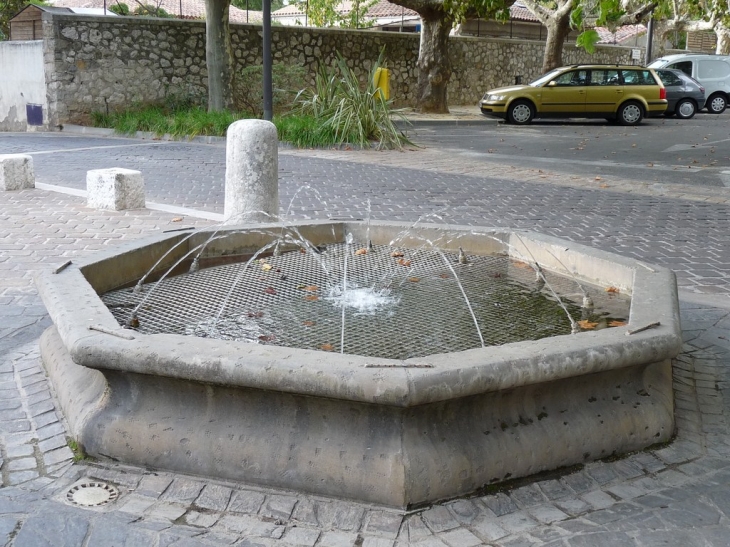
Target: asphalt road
{"points": [[695, 152]]}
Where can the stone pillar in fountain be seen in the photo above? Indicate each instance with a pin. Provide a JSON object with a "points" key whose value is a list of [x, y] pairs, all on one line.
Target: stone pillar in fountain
{"points": [[252, 171]]}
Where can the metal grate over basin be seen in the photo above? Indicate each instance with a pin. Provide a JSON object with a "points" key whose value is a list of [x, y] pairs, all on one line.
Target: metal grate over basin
{"points": [[294, 300]]}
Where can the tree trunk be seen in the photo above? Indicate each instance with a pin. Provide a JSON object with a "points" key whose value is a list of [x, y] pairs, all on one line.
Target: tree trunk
{"points": [[557, 31], [723, 40], [434, 65], [218, 55]]}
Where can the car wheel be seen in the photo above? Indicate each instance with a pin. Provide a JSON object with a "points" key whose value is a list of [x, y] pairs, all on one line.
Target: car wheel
{"points": [[716, 104], [630, 113], [685, 109], [520, 113]]}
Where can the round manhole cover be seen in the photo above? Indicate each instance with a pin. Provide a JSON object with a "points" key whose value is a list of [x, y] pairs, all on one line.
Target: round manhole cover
{"points": [[92, 494]]}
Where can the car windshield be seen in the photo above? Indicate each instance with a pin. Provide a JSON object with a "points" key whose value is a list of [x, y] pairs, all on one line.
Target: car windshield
{"points": [[545, 78]]}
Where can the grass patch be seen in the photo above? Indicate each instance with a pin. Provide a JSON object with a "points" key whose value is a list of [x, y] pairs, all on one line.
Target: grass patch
{"points": [[79, 453], [305, 131], [180, 123]]}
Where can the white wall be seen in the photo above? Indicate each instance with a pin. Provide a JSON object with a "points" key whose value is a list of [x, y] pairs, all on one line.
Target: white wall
{"points": [[22, 82]]}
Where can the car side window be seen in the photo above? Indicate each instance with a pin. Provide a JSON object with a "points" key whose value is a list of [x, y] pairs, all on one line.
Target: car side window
{"points": [[713, 69], [684, 66], [572, 78], [604, 77], [669, 78], [638, 77]]}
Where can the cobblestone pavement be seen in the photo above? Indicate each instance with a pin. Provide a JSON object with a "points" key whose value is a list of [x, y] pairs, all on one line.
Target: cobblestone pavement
{"points": [[672, 495]]}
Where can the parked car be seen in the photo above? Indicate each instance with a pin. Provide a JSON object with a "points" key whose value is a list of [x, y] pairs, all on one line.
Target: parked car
{"points": [[711, 71], [623, 93], [685, 95]]}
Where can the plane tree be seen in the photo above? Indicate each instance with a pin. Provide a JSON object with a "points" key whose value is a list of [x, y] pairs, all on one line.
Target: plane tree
{"points": [[438, 17], [560, 16]]}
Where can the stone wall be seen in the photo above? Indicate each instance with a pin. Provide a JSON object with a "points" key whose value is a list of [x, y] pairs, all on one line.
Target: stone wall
{"points": [[107, 63]]}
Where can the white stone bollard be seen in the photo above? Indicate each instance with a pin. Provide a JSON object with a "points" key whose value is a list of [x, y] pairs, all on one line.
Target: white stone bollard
{"points": [[16, 172], [115, 189], [252, 172]]}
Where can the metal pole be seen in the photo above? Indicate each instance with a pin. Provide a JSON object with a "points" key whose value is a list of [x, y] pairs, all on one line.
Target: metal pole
{"points": [[649, 38], [268, 95], [246, 10]]}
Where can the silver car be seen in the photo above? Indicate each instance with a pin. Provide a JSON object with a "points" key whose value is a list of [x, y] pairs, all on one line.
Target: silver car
{"points": [[685, 95], [711, 71]]}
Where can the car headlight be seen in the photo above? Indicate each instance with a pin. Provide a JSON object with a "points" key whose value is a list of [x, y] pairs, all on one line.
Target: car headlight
{"points": [[492, 98]]}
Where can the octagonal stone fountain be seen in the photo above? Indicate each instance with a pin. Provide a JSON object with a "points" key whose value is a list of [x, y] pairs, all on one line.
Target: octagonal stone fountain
{"points": [[400, 432]]}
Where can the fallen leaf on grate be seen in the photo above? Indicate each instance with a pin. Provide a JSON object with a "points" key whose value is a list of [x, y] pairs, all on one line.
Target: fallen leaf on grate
{"points": [[613, 290], [585, 324], [617, 323], [327, 347], [396, 254], [361, 252], [311, 297], [270, 290]]}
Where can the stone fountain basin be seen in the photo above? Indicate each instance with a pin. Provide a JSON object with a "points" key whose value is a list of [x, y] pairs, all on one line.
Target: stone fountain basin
{"points": [[367, 429]]}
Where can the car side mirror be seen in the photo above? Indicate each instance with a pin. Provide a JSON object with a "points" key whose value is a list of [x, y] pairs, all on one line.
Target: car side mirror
{"points": [[552, 83]]}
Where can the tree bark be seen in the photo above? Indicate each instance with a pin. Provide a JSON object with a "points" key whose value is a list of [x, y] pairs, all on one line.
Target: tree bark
{"points": [[218, 55], [723, 40], [434, 64], [558, 28]]}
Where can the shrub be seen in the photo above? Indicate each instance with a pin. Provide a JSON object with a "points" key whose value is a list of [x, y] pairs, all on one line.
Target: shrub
{"points": [[352, 114], [248, 94], [120, 8]]}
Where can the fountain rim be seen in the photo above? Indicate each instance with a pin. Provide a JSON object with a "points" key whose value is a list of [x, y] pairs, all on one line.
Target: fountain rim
{"points": [[365, 379]]}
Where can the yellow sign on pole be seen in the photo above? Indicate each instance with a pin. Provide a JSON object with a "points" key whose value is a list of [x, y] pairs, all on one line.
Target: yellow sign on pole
{"points": [[381, 80]]}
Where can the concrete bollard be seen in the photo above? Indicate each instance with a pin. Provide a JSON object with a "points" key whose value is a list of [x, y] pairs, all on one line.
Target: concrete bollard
{"points": [[116, 189], [252, 172], [16, 172]]}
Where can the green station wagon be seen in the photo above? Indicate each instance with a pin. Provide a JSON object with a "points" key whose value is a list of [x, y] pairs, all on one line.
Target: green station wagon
{"points": [[623, 93]]}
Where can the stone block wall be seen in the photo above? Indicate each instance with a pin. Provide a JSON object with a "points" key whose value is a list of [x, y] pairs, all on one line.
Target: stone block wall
{"points": [[109, 63]]}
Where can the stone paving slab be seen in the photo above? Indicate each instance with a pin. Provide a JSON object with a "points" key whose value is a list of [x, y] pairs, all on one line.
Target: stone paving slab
{"points": [[676, 493]]}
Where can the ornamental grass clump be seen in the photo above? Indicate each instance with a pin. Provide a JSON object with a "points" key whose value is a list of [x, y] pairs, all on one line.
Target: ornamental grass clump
{"points": [[349, 113]]}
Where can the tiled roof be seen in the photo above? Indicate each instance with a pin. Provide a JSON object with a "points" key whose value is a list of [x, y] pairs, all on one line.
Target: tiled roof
{"points": [[191, 9], [621, 34]]}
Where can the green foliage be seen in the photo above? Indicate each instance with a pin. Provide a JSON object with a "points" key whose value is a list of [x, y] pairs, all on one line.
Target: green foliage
{"points": [[257, 5], [248, 87], [120, 8], [323, 13], [459, 10], [150, 10], [356, 18], [353, 114], [319, 13], [181, 122], [305, 131], [588, 40]]}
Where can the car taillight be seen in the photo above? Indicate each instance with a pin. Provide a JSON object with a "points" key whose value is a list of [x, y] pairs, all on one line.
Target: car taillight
{"points": [[702, 89], [662, 93]]}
